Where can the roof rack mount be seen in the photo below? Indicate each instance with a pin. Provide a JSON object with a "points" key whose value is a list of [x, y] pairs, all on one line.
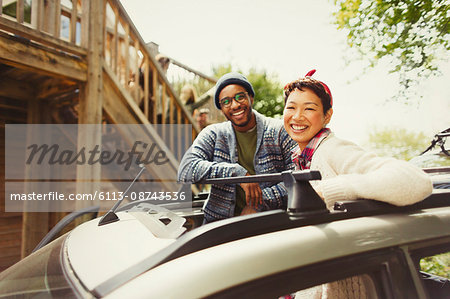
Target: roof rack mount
{"points": [[302, 199]]}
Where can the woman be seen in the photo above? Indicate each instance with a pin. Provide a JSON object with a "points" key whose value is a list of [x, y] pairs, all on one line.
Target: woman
{"points": [[348, 172]]}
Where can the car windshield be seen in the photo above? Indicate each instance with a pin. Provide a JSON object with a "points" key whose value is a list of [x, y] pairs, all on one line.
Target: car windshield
{"points": [[38, 275]]}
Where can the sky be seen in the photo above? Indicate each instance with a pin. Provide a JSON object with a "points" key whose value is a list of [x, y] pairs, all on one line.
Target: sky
{"points": [[287, 38]]}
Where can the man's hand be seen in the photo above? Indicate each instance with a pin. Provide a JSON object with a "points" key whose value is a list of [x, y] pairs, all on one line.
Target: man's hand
{"points": [[253, 193]]}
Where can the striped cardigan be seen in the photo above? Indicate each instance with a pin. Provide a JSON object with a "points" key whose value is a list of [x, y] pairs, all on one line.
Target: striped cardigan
{"points": [[214, 155]]}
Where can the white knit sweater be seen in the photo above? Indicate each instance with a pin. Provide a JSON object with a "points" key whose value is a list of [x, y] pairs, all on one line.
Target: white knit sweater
{"points": [[349, 172]]}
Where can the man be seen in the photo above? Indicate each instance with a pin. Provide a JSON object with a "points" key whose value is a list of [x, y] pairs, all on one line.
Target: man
{"points": [[202, 118], [249, 143]]}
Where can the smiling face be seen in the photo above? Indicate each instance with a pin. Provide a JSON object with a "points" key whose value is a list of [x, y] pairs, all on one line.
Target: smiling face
{"points": [[303, 116], [240, 114]]}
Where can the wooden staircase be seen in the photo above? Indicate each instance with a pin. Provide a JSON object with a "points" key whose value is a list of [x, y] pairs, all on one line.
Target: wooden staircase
{"points": [[80, 61]]}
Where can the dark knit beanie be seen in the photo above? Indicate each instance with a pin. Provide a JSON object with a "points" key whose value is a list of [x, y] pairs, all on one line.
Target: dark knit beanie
{"points": [[232, 78]]}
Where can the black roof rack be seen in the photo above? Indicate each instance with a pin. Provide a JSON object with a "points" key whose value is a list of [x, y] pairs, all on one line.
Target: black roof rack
{"points": [[302, 199], [236, 228], [439, 169], [439, 139]]}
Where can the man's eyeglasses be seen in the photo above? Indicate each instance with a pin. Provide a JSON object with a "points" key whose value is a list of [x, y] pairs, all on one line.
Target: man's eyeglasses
{"points": [[239, 97]]}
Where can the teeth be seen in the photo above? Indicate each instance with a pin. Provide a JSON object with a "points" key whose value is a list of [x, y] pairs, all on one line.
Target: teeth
{"points": [[297, 127], [238, 113]]}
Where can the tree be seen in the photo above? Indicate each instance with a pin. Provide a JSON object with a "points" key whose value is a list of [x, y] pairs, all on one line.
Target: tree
{"points": [[268, 90], [412, 34], [405, 145], [436, 265], [398, 143], [268, 93]]}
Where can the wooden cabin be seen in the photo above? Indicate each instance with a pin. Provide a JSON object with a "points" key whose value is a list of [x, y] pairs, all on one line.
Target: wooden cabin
{"points": [[75, 62]]}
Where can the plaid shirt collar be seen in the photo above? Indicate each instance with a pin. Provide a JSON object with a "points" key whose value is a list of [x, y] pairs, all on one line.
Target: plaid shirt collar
{"points": [[302, 160]]}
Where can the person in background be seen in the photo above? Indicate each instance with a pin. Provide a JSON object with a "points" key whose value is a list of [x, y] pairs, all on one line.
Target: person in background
{"points": [[164, 62], [247, 144], [348, 172], [188, 96], [202, 118]]}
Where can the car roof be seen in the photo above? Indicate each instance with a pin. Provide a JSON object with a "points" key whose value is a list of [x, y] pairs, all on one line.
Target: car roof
{"points": [[243, 227], [158, 244]]}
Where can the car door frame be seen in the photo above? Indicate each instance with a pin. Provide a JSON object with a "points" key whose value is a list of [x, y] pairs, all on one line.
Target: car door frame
{"points": [[386, 267]]}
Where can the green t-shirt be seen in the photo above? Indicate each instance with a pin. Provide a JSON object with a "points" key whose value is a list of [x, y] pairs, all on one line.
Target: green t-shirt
{"points": [[246, 146]]}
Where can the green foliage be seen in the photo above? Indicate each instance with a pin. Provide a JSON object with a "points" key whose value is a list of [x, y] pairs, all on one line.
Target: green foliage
{"points": [[398, 143], [437, 265], [268, 90], [413, 34], [268, 93], [408, 146], [222, 69]]}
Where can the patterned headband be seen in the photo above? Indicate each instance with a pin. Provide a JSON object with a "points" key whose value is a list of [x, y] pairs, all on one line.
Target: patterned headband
{"points": [[327, 90]]}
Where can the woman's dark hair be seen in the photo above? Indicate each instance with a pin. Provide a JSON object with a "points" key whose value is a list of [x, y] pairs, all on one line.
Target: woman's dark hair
{"points": [[312, 84]]}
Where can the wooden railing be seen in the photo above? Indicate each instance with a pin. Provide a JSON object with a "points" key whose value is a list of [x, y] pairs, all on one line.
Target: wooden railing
{"points": [[63, 25], [180, 74], [128, 57]]}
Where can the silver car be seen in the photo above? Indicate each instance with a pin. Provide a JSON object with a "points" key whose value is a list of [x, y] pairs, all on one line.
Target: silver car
{"points": [[150, 251]]}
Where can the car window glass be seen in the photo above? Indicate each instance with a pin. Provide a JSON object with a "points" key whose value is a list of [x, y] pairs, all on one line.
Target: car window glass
{"points": [[39, 275], [437, 264], [361, 287], [435, 274]]}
